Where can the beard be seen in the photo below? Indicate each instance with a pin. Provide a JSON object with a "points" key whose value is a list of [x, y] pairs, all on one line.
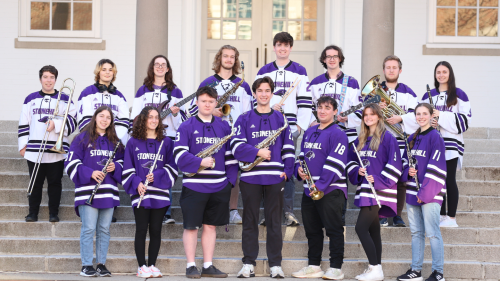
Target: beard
{"points": [[392, 80], [226, 68]]}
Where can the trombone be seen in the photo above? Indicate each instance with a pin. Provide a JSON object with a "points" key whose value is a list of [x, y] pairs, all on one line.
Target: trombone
{"points": [[58, 147]]}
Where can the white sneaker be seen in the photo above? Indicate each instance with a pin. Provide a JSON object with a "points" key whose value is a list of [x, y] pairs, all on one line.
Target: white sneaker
{"points": [[333, 274], [144, 271], [291, 219], [277, 272], [442, 218], [155, 271], [357, 276], [374, 273], [448, 222], [234, 217], [309, 272], [246, 271]]}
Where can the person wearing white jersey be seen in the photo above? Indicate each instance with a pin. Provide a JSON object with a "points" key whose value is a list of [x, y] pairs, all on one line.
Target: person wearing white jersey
{"points": [[226, 66], [297, 107]]}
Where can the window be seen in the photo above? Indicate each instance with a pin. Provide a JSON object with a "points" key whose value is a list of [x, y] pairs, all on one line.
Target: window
{"points": [[297, 17], [60, 18], [229, 19]]}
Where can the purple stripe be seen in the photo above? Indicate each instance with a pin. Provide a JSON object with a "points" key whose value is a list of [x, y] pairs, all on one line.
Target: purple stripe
{"points": [[83, 124], [304, 102], [23, 130], [454, 145]]}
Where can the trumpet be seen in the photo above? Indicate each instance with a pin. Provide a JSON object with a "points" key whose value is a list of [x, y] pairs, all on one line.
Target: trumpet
{"points": [[316, 194], [58, 147]]}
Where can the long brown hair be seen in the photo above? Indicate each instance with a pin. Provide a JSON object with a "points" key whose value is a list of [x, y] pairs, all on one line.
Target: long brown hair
{"points": [[150, 78], [91, 128], [379, 133], [217, 64], [140, 130], [452, 87], [419, 130]]}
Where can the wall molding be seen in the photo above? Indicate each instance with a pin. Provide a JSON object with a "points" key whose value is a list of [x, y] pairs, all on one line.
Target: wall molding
{"points": [[459, 51], [59, 45]]}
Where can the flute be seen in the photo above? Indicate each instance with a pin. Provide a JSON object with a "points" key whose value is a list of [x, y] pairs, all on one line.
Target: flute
{"points": [[366, 177], [150, 171]]}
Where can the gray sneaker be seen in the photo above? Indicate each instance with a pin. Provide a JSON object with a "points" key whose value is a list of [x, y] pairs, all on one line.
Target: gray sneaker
{"points": [[277, 272], [234, 217], [291, 220]]}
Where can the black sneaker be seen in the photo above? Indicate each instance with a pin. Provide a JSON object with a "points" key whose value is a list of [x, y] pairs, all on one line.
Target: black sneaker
{"points": [[89, 271], [398, 221], [31, 218], [411, 275], [53, 218], [435, 276], [212, 271], [113, 219], [192, 272], [167, 219], [103, 271]]}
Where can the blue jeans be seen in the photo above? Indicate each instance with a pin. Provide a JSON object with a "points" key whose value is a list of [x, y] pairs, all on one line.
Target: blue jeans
{"points": [[98, 221], [424, 221]]}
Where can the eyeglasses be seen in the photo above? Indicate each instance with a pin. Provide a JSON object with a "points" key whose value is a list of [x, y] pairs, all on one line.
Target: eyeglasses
{"points": [[332, 57], [163, 65]]}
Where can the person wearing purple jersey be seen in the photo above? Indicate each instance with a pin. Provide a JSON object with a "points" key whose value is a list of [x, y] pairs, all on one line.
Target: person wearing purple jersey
{"points": [[265, 180], [381, 159], [405, 98], [205, 195], [36, 110], [147, 145], [324, 151], [424, 201], [87, 156], [227, 65]]}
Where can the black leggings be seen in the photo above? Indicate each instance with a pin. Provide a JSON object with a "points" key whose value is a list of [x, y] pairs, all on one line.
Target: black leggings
{"points": [[368, 230], [451, 189], [154, 219]]}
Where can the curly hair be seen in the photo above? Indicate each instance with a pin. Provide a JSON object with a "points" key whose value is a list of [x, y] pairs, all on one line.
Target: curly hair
{"points": [[150, 78], [217, 64], [140, 129], [322, 58]]}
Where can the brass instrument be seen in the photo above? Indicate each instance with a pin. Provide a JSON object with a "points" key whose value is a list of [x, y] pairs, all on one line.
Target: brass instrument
{"points": [[372, 88], [58, 147], [222, 101], [316, 194], [151, 169], [211, 150], [245, 166]]}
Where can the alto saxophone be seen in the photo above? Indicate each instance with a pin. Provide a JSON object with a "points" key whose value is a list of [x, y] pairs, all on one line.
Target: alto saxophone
{"points": [[222, 102], [211, 150], [270, 140]]}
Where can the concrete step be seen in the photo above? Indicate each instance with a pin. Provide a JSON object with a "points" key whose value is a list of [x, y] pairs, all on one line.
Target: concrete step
{"points": [[8, 138], [9, 126], [472, 159], [482, 173], [482, 145], [9, 151], [482, 133]]}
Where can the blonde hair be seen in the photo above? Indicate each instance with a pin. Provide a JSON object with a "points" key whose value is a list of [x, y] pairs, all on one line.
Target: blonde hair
{"points": [[98, 69], [216, 65], [379, 133]]}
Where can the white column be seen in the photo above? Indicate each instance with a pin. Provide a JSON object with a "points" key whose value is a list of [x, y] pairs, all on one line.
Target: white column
{"points": [[334, 22]]}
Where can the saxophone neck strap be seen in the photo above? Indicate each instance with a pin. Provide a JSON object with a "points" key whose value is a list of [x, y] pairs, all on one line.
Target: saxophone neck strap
{"points": [[342, 93]]}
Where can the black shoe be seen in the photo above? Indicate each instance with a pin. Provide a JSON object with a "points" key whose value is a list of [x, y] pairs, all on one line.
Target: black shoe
{"points": [[31, 218], [211, 271], [113, 219], [192, 272], [167, 219], [88, 271], [398, 221], [435, 276], [411, 275], [103, 271], [383, 222], [53, 218]]}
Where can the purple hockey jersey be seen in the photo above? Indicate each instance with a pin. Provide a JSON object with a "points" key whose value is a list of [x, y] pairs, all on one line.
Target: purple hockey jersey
{"points": [[326, 157], [83, 159], [193, 136], [385, 166], [254, 127], [429, 150], [139, 157]]}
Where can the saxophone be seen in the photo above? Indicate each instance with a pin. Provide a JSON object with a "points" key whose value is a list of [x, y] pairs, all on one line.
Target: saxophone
{"points": [[221, 103], [211, 150], [245, 166]]}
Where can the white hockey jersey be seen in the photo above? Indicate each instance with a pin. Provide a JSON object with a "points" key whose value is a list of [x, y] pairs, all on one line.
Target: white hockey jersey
{"points": [[37, 107]]}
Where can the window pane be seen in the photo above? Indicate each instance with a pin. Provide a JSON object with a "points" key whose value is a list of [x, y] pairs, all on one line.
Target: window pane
{"points": [[467, 3], [61, 16], [488, 22], [445, 22], [294, 29], [279, 7], [213, 9], [488, 3], [245, 29], [467, 20], [294, 9], [310, 30], [40, 15], [446, 2], [278, 26], [82, 16], [310, 9], [229, 9], [213, 29], [229, 29], [245, 9]]}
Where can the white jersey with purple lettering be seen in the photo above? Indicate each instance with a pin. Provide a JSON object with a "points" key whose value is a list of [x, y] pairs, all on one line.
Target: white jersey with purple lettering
{"points": [[453, 122], [297, 106], [324, 86]]}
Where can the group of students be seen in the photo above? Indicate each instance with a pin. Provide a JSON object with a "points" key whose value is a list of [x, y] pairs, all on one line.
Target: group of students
{"points": [[154, 148]]}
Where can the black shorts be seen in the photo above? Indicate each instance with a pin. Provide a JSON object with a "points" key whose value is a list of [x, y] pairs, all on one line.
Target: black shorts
{"points": [[205, 208]]}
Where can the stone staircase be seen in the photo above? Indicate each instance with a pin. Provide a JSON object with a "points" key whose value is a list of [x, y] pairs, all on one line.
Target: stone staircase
{"points": [[472, 251]]}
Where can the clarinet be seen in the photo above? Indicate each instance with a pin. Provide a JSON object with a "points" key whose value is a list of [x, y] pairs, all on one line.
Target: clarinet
{"points": [[411, 160], [366, 177], [105, 171], [150, 171]]}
